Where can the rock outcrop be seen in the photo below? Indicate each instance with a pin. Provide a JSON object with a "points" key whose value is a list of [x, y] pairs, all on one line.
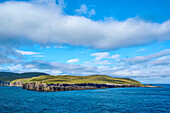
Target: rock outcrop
{"points": [[4, 83], [37, 86], [18, 84], [151, 86]]}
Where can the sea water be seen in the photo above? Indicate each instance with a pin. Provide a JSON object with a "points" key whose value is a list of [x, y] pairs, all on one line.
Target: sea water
{"points": [[133, 100]]}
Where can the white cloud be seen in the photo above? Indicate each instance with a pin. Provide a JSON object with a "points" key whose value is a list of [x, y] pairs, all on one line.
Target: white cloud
{"points": [[161, 62], [140, 59], [73, 60], [105, 55], [14, 68], [84, 10], [48, 25], [61, 68], [116, 56], [100, 55], [54, 72], [29, 66], [102, 59], [27, 52]]}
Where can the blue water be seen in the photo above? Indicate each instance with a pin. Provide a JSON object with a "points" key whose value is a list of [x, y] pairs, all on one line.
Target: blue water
{"points": [[133, 100]]}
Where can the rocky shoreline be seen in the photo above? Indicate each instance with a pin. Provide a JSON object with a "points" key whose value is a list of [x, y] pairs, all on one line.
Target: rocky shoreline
{"points": [[37, 86]]}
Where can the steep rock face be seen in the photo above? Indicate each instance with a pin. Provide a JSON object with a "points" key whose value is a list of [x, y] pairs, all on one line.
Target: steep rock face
{"points": [[4, 83], [19, 84], [37, 86]]}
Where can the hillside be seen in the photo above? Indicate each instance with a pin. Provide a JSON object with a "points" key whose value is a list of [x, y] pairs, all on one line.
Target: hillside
{"points": [[68, 79], [9, 76]]}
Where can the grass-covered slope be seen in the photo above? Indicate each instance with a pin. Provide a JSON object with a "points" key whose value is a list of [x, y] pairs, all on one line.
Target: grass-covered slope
{"points": [[9, 76], [100, 79]]}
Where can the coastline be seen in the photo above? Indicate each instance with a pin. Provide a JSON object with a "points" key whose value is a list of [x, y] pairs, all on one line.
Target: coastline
{"points": [[37, 86], [151, 86]]}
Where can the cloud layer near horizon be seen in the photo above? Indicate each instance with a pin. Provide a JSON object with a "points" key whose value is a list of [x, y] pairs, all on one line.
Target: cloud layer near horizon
{"points": [[154, 69], [47, 24]]}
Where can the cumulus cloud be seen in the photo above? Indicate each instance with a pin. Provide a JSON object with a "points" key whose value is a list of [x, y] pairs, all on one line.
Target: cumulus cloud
{"points": [[46, 24], [73, 60]]}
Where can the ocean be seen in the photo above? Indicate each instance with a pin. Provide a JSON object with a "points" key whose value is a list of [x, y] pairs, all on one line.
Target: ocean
{"points": [[112, 100]]}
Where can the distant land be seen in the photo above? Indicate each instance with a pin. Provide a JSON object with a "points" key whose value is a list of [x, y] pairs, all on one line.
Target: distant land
{"points": [[7, 77], [70, 82], [39, 81]]}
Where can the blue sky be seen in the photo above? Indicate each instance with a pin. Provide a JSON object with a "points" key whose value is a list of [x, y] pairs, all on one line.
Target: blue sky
{"points": [[83, 37]]}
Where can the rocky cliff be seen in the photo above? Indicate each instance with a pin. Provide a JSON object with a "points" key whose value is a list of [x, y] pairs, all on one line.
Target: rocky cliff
{"points": [[18, 84], [37, 86], [4, 83]]}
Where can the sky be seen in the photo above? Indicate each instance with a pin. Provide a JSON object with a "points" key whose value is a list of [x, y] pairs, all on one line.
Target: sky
{"points": [[119, 38]]}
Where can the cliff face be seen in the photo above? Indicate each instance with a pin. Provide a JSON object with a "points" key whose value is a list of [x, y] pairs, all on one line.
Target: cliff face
{"points": [[37, 86], [4, 83], [19, 84]]}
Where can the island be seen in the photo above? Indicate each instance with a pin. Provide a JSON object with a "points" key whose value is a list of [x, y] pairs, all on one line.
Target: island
{"points": [[69, 82]]}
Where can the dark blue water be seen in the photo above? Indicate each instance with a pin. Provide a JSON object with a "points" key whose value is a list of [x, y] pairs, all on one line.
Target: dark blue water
{"points": [[15, 99]]}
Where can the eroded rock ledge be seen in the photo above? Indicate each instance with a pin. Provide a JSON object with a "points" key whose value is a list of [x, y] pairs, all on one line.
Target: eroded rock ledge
{"points": [[37, 86], [18, 84]]}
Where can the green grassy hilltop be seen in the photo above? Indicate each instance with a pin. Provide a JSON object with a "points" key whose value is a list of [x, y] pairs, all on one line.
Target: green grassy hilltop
{"points": [[100, 79]]}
